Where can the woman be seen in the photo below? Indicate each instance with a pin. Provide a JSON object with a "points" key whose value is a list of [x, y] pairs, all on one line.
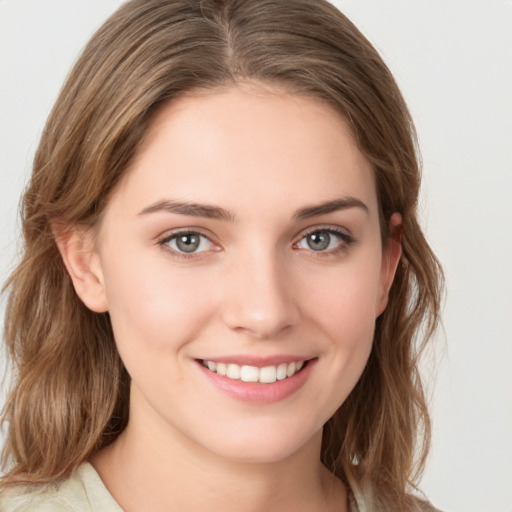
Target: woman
{"points": [[221, 220]]}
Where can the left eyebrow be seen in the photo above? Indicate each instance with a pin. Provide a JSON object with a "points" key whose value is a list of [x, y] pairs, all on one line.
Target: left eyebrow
{"points": [[190, 209], [334, 205]]}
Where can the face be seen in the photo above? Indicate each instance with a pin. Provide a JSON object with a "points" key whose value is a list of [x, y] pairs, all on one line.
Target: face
{"points": [[240, 260]]}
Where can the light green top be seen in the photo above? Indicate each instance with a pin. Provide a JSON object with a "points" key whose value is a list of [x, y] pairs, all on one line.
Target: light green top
{"points": [[85, 492], [82, 492]]}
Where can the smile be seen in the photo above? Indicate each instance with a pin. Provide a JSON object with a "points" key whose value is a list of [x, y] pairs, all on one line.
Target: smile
{"points": [[246, 373]]}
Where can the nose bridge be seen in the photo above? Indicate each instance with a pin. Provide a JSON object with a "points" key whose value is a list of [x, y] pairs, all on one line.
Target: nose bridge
{"points": [[260, 300]]}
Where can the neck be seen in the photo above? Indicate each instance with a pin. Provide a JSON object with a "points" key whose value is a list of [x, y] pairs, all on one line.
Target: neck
{"points": [[164, 470]]}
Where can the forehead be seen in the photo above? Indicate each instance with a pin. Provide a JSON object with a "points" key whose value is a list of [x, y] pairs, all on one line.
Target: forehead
{"points": [[244, 145]]}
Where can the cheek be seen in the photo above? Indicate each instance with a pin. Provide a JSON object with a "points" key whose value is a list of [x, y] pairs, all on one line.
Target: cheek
{"points": [[342, 306], [350, 327], [344, 299], [154, 310]]}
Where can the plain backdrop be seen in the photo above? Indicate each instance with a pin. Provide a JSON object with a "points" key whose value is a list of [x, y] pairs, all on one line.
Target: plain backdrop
{"points": [[453, 61]]}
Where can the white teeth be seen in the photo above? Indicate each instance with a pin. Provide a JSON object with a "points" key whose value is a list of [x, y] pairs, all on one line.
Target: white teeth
{"points": [[233, 371], [281, 371], [265, 375], [250, 374], [268, 374]]}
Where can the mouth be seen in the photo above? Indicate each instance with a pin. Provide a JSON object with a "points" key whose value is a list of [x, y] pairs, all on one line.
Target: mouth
{"points": [[257, 381], [263, 375]]}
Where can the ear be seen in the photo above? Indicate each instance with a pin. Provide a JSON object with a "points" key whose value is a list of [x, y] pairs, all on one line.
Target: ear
{"points": [[82, 261], [391, 254]]}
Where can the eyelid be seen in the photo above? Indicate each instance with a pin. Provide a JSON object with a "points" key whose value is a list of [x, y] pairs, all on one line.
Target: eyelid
{"points": [[169, 233], [164, 239], [344, 234]]}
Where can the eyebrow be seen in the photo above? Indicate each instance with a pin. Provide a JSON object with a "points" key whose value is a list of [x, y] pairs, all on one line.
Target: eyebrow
{"points": [[215, 212], [191, 209], [334, 205]]}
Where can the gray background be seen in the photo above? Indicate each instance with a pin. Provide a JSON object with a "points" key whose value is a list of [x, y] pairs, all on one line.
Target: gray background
{"points": [[453, 60]]}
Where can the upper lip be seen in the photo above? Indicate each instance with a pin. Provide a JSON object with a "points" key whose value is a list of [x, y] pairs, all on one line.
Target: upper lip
{"points": [[258, 361]]}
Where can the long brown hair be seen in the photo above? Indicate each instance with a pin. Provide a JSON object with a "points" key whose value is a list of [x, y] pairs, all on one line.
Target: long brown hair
{"points": [[70, 395]]}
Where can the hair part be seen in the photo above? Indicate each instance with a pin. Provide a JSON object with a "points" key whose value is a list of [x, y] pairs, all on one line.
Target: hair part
{"points": [[71, 389]]}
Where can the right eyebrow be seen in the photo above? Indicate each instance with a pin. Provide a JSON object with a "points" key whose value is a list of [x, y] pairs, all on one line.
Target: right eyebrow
{"points": [[191, 209], [327, 207]]}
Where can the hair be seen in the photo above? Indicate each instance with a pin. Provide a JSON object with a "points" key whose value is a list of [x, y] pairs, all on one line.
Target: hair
{"points": [[70, 391]]}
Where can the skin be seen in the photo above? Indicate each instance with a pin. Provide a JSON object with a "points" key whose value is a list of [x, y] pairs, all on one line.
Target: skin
{"points": [[254, 287]]}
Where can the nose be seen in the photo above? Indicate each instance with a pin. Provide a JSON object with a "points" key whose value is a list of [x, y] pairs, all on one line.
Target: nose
{"points": [[260, 299]]}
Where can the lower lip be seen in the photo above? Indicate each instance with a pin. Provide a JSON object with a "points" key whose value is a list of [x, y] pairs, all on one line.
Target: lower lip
{"points": [[256, 392]]}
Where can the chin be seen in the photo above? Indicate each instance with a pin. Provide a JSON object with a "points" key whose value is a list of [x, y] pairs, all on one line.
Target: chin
{"points": [[266, 445]]}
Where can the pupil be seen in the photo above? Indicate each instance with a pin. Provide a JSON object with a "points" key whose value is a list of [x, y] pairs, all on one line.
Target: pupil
{"points": [[319, 241], [187, 243]]}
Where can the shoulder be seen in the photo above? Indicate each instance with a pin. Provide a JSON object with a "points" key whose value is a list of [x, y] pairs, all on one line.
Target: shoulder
{"points": [[41, 498], [82, 492], [426, 506], [362, 503]]}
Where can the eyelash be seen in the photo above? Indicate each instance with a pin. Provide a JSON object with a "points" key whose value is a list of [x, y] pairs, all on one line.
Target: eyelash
{"points": [[345, 239], [164, 243]]}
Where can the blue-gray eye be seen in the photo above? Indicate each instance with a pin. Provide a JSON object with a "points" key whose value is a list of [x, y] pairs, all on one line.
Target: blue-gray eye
{"points": [[189, 242], [322, 240]]}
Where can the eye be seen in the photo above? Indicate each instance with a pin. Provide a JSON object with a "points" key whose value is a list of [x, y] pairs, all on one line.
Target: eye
{"points": [[325, 240], [187, 242]]}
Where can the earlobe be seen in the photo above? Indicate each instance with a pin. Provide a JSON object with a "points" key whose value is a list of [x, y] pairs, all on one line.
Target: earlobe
{"points": [[391, 254], [76, 246]]}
